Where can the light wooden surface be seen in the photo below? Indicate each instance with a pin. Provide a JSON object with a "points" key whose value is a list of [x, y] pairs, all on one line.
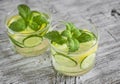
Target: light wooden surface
{"points": [[15, 69]]}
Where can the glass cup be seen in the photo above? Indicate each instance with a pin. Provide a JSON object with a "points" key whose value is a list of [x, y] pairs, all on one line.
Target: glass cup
{"points": [[78, 62], [28, 43]]}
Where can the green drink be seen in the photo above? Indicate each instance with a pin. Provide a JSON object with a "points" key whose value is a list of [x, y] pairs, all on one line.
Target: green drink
{"points": [[73, 51], [26, 30]]}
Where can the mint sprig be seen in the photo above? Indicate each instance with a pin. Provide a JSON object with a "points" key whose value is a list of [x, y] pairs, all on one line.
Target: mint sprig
{"points": [[33, 19], [72, 36], [68, 36]]}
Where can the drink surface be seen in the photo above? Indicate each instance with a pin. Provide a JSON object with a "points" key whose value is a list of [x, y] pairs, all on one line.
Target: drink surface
{"points": [[28, 42], [74, 63]]}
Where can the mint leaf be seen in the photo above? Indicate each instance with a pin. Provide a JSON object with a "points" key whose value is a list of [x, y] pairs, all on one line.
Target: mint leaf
{"points": [[54, 36], [67, 33], [67, 24], [85, 37], [18, 25], [43, 20], [37, 19], [77, 44], [72, 26], [24, 11], [34, 11], [73, 44], [76, 33], [34, 26]]}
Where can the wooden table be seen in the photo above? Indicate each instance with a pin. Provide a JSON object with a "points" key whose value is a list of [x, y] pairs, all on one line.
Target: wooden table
{"points": [[15, 69]]}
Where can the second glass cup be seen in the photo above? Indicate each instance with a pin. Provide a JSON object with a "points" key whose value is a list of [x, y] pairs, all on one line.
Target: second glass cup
{"points": [[73, 49]]}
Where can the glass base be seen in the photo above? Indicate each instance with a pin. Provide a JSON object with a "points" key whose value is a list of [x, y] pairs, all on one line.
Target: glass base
{"points": [[76, 73], [79, 73]]}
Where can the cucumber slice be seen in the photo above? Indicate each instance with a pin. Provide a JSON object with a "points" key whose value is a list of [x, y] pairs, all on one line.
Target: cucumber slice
{"points": [[65, 60], [32, 41], [16, 42], [88, 61]]}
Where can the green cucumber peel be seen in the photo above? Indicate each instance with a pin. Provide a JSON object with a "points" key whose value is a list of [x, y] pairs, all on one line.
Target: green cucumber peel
{"points": [[16, 42]]}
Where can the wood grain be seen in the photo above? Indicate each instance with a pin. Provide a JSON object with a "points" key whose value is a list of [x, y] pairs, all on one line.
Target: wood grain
{"points": [[15, 69]]}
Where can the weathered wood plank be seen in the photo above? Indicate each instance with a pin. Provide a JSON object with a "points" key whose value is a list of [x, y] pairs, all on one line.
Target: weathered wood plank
{"points": [[15, 69]]}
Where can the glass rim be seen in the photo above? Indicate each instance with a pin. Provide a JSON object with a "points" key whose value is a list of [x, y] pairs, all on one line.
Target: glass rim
{"points": [[19, 33], [75, 53]]}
